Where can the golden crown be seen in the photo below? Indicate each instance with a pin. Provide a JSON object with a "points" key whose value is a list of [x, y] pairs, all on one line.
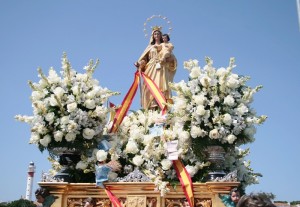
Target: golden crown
{"points": [[156, 28]]}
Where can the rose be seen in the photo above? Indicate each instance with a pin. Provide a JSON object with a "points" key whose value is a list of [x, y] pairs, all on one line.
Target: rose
{"points": [[72, 106], [45, 140], [229, 100], [227, 119], [196, 131], [90, 104], [49, 117], [214, 134], [166, 164], [138, 160], [70, 136], [88, 133], [58, 135], [59, 92], [230, 138], [131, 147]]}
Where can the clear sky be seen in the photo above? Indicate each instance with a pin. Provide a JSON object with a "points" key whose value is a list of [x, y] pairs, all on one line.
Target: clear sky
{"points": [[263, 36]]}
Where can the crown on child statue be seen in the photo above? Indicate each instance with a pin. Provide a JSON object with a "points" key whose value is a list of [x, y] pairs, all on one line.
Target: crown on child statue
{"points": [[168, 22]]}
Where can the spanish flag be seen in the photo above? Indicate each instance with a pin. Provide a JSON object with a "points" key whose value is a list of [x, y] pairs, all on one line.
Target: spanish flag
{"points": [[185, 180], [113, 198], [156, 92], [121, 112]]}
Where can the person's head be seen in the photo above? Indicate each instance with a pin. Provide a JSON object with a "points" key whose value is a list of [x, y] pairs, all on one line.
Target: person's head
{"points": [[90, 202], [156, 37], [235, 195], [166, 38], [41, 194], [255, 200]]}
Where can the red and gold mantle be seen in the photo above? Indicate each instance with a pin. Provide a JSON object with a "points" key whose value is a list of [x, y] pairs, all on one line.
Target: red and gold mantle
{"points": [[139, 194]]}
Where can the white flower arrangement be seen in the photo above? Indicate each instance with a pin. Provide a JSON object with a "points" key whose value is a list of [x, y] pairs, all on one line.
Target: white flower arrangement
{"points": [[69, 111], [211, 108], [142, 141], [216, 111]]}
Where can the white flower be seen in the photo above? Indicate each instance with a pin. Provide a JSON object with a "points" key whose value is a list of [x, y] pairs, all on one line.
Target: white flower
{"points": [[50, 117], [195, 72], [45, 140], [58, 135], [184, 136], [64, 120], [242, 109], [205, 81], [59, 92], [52, 100], [35, 138], [191, 170], [199, 99], [70, 136], [90, 104], [196, 131], [53, 77], [132, 147], [229, 100], [138, 160], [72, 106], [230, 138], [88, 133], [232, 81], [101, 155], [227, 119], [37, 95], [166, 164], [200, 110], [75, 90], [221, 72], [214, 134], [81, 165]]}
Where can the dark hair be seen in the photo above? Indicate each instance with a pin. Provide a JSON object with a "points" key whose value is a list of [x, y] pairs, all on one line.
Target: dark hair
{"points": [[166, 35], [153, 41], [255, 200], [42, 192], [234, 190], [91, 201]]}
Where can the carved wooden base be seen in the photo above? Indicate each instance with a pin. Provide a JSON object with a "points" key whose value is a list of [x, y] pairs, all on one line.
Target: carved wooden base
{"points": [[136, 194]]}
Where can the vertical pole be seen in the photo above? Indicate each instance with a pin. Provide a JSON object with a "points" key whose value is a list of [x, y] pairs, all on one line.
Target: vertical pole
{"points": [[31, 170]]}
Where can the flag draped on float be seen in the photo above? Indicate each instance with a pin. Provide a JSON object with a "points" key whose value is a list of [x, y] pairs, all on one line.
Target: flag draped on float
{"points": [[113, 198], [182, 174], [155, 91], [185, 180], [121, 112]]}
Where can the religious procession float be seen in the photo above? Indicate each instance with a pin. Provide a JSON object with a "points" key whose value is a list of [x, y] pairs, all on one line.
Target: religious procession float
{"points": [[182, 148]]}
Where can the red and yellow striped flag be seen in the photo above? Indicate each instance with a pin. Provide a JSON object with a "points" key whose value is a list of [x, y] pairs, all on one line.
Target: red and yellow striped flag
{"points": [[121, 112], [156, 92], [113, 198], [185, 180]]}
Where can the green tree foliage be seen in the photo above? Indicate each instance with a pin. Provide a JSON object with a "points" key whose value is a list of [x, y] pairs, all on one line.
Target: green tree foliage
{"points": [[295, 202], [21, 203]]}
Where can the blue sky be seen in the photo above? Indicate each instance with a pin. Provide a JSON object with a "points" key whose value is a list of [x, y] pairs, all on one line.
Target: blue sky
{"points": [[263, 36]]}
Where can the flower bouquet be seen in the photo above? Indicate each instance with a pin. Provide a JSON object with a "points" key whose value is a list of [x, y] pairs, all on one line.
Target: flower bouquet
{"points": [[211, 109], [69, 112]]}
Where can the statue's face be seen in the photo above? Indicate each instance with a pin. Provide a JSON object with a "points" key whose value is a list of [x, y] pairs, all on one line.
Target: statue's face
{"points": [[156, 35]]}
